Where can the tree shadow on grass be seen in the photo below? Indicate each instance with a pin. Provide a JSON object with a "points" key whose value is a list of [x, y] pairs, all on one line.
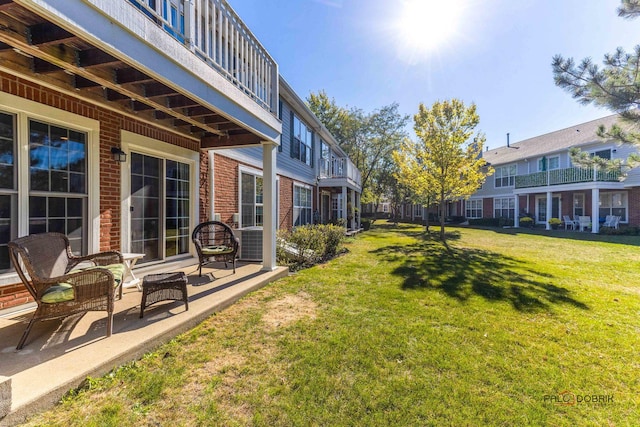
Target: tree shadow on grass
{"points": [[464, 273]]}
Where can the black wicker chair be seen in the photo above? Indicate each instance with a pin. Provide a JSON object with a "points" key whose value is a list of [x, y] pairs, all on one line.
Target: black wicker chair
{"points": [[59, 285], [215, 241]]}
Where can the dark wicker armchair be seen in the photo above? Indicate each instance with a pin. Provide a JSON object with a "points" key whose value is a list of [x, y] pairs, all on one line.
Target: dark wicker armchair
{"points": [[215, 241], [63, 284]]}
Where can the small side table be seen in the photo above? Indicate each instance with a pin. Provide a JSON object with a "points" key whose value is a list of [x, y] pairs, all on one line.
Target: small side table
{"points": [[162, 287], [130, 260]]}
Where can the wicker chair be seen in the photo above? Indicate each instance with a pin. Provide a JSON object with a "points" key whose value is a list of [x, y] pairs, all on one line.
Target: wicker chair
{"points": [[46, 265], [215, 241]]}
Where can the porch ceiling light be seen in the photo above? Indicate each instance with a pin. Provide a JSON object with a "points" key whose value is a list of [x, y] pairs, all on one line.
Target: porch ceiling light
{"points": [[118, 155]]}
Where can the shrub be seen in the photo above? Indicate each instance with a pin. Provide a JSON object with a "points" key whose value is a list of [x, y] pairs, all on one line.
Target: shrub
{"points": [[555, 222], [366, 224], [526, 221], [308, 244]]}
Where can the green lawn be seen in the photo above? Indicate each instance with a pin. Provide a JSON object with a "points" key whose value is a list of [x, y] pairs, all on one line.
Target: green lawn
{"points": [[497, 327]]}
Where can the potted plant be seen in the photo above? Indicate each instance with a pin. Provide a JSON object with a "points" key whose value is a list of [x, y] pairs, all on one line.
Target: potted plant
{"points": [[526, 221], [555, 223]]}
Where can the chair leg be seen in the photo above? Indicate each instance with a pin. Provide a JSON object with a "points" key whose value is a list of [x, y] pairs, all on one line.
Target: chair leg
{"points": [[24, 335], [109, 324]]}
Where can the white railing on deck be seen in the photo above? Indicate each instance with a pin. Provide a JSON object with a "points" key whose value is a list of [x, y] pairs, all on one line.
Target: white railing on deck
{"points": [[213, 31], [340, 167]]}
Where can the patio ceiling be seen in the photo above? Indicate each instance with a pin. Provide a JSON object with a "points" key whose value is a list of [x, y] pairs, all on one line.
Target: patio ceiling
{"points": [[44, 52]]}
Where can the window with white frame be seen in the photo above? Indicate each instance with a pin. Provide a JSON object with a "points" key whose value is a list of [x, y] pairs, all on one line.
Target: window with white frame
{"points": [[603, 154], [504, 207], [251, 203], [548, 163], [302, 204], [505, 176], [474, 208], [325, 159], [578, 205], [417, 210], [614, 203], [56, 200], [301, 142]]}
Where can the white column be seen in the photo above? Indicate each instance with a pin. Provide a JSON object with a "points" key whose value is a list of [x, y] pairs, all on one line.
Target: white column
{"points": [[344, 205], [353, 210], [269, 151], [359, 210], [595, 210], [516, 215], [549, 200]]}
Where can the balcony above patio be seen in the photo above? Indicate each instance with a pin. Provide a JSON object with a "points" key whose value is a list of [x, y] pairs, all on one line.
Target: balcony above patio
{"points": [[339, 172], [191, 67], [565, 176]]}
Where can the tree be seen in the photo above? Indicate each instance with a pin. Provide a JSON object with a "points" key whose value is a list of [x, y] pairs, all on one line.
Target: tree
{"points": [[367, 138], [615, 86], [445, 164]]}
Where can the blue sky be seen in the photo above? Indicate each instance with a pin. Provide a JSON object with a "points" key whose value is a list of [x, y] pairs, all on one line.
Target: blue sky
{"points": [[498, 56]]}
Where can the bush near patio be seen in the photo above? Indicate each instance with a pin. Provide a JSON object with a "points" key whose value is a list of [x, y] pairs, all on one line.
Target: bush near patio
{"points": [[307, 245]]}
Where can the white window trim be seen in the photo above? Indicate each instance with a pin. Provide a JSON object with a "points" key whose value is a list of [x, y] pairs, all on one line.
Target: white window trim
{"points": [[25, 110], [626, 202], [293, 198], [144, 145], [466, 208], [257, 172]]}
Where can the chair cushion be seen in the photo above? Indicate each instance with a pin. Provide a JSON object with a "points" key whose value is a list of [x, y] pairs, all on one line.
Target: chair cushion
{"points": [[58, 293], [116, 269], [216, 250]]}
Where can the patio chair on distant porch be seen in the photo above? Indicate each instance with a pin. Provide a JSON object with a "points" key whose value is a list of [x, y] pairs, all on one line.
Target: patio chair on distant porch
{"points": [[63, 284], [215, 241], [612, 221], [568, 222], [584, 222]]}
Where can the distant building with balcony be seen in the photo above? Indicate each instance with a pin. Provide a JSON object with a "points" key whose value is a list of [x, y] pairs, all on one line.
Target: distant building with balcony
{"points": [[125, 123], [535, 177]]}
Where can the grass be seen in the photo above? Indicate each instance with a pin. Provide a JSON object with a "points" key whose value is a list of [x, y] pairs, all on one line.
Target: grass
{"points": [[495, 327]]}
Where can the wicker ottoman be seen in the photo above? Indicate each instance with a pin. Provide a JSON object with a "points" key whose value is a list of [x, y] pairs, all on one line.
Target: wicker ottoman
{"points": [[162, 287]]}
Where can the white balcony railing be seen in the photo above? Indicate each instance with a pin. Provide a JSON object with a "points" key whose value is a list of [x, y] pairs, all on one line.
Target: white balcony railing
{"points": [[565, 176], [213, 32], [340, 167]]}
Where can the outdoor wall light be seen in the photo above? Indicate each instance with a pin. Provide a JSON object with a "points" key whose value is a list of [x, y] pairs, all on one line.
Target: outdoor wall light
{"points": [[118, 155]]}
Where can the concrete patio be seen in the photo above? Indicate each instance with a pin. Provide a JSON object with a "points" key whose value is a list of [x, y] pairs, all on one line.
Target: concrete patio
{"points": [[60, 354]]}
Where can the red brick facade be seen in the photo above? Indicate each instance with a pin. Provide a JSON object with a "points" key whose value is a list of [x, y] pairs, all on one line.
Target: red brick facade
{"points": [[111, 125]]}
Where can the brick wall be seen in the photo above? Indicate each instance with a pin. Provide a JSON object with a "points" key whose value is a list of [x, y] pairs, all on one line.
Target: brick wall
{"points": [[634, 206], [286, 203], [226, 188], [111, 125]]}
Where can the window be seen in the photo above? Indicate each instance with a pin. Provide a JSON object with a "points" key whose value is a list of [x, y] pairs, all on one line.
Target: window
{"points": [[7, 187], [58, 182], [417, 210], [251, 203], [504, 207], [603, 154], [302, 198], [613, 204], [474, 208], [578, 205], [505, 176], [301, 142], [177, 208], [325, 158]]}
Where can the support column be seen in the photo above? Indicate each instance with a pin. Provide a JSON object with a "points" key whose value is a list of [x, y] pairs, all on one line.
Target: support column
{"points": [[595, 210], [549, 211], [359, 196], [269, 151], [516, 215], [344, 206], [353, 210]]}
